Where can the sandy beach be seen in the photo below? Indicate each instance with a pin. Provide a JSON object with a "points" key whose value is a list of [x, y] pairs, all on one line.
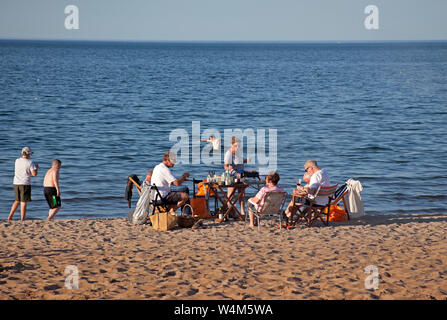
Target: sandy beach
{"points": [[225, 261]]}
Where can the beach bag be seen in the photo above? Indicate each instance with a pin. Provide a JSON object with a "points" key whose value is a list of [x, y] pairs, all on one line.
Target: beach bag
{"points": [[164, 221], [187, 221], [337, 214], [201, 190], [200, 207]]}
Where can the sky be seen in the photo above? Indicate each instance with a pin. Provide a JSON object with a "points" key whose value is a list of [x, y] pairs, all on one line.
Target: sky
{"points": [[224, 20]]}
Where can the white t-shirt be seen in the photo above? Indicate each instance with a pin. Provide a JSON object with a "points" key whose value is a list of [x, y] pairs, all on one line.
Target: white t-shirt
{"points": [[22, 172], [162, 178], [236, 160], [317, 179], [216, 144]]}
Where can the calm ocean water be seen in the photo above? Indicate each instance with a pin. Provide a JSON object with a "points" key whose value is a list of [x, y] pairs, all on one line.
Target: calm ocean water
{"points": [[374, 112]]}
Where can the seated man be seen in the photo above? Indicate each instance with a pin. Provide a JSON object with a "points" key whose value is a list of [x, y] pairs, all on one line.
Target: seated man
{"points": [[163, 179], [317, 177], [271, 180]]}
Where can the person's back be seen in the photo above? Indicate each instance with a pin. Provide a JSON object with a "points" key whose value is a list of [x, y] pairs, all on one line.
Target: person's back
{"points": [[261, 194], [320, 178], [51, 188], [257, 201], [50, 176], [22, 171], [162, 178]]}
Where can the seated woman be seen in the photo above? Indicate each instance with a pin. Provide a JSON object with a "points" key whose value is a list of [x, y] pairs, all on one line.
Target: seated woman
{"points": [[271, 180]]}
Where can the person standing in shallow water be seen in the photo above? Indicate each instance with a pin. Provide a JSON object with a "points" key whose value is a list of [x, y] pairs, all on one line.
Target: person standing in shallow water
{"points": [[51, 188], [25, 168]]}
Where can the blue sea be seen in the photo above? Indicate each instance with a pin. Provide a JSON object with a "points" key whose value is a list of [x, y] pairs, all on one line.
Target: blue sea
{"points": [[374, 112]]}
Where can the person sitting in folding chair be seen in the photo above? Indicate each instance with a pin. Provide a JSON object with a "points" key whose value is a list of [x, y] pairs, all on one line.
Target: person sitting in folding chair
{"points": [[163, 179], [256, 202], [318, 177]]}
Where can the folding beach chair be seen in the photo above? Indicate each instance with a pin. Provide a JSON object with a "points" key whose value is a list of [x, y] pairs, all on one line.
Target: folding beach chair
{"points": [[150, 202], [273, 205], [131, 181], [157, 203], [313, 211], [340, 196]]}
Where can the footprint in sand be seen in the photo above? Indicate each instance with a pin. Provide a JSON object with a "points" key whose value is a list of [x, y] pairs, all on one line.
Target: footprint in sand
{"points": [[169, 274], [192, 291]]}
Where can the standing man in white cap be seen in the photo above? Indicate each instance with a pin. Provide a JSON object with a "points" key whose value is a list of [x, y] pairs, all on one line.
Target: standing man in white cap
{"points": [[25, 168]]}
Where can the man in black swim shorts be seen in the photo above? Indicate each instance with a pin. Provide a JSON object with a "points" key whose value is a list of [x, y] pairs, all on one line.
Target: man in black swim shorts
{"points": [[51, 189]]}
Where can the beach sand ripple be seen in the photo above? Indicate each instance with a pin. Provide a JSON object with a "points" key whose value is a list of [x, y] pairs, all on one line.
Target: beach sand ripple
{"points": [[225, 261]]}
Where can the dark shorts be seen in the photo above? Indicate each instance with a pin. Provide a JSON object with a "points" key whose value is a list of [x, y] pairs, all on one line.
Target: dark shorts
{"points": [[50, 194], [173, 197], [22, 193]]}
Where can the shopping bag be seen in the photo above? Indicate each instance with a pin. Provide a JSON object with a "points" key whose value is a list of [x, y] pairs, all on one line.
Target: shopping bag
{"points": [[337, 214], [164, 221]]}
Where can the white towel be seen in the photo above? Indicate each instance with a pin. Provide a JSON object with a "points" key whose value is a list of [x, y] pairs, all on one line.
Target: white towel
{"points": [[140, 214], [354, 199]]}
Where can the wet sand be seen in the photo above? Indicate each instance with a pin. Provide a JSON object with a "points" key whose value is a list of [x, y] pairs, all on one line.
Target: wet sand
{"points": [[116, 260]]}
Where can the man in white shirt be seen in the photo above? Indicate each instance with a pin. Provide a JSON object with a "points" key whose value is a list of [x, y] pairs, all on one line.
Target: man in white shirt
{"points": [[25, 168], [163, 179], [318, 177]]}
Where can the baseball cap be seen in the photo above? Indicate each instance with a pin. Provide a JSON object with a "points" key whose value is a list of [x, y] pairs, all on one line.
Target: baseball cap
{"points": [[27, 150]]}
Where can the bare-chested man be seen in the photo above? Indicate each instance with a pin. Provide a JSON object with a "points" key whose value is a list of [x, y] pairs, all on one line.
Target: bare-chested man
{"points": [[51, 188]]}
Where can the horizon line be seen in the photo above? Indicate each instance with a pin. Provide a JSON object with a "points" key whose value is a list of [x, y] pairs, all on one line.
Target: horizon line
{"points": [[223, 41]]}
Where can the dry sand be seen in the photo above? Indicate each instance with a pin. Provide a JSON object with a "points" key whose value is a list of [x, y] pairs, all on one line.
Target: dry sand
{"points": [[225, 261]]}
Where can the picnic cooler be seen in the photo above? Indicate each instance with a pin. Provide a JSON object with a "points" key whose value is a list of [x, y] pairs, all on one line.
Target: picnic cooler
{"points": [[164, 221]]}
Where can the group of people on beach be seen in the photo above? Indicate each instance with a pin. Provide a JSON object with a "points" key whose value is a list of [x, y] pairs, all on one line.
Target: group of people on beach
{"points": [[162, 177], [313, 176], [24, 169]]}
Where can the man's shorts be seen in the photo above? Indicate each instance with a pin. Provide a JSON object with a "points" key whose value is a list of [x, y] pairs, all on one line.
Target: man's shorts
{"points": [[50, 194], [22, 192], [173, 197]]}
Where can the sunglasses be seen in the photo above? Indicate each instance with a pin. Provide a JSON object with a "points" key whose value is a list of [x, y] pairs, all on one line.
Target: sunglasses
{"points": [[305, 170]]}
